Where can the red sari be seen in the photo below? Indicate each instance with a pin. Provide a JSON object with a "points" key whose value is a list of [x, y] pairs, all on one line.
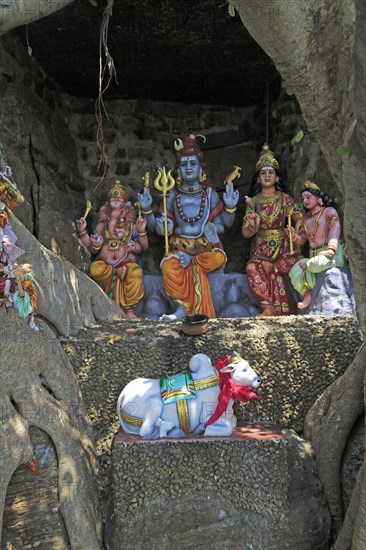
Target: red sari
{"points": [[270, 258]]}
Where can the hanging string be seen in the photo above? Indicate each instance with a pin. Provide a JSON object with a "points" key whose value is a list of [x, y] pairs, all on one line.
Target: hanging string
{"points": [[100, 109], [267, 112]]}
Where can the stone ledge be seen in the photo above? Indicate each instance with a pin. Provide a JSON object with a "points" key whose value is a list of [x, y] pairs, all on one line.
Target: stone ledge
{"points": [[226, 493], [244, 430], [232, 297]]}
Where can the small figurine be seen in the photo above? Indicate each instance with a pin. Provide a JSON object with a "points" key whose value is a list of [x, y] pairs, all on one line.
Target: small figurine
{"points": [[199, 401], [321, 228], [116, 241], [268, 210], [192, 216], [17, 284]]}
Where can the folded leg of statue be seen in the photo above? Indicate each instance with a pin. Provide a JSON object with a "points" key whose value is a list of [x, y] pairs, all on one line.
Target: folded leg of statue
{"points": [[268, 310], [305, 301], [179, 313], [130, 313]]}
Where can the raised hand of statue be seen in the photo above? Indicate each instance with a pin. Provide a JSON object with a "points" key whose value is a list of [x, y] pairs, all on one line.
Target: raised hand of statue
{"points": [[210, 233], [96, 239], [230, 196], [141, 224], [160, 225], [250, 220], [290, 232], [145, 199], [81, 225], [329, 253]]}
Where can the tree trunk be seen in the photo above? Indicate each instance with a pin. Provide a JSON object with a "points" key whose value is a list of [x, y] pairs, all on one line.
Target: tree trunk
{"points": [[14, 13], [318, 47]]}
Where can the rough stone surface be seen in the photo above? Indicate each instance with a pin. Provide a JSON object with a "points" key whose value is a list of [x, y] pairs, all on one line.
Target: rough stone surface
{"points": [[217, 494], [166, 52], [332, 294], [297, 357]]}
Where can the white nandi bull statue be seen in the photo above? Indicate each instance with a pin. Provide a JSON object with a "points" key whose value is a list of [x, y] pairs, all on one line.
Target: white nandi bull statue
{"points": [[200, 401]]}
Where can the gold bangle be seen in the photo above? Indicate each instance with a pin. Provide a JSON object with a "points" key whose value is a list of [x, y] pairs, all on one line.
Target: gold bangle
{"points": [[246, 223], [142, 234], [97, 248], [230, 210], [146, 212], [83, 233]]}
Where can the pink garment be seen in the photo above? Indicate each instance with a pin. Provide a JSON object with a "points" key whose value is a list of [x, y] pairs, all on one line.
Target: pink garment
{"points": [[10, 251]]}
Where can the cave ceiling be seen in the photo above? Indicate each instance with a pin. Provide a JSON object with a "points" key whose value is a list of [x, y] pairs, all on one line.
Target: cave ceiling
{"points": [[183, 51]]}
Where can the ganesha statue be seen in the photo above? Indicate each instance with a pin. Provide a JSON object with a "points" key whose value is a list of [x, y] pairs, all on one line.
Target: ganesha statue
{"points": [[199, 401], [115, 244]]}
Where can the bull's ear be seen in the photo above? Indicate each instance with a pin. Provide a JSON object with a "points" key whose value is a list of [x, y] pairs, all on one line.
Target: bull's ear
{"points": [[228, 368]]}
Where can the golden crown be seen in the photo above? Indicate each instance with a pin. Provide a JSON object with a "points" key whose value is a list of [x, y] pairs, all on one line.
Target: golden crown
{"points": [[266, 158], [309, 185], [117, 191]]}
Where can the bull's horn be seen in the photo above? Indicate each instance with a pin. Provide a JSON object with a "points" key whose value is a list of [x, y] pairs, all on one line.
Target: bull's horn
{"points": [[201, 136], [178, 144]]}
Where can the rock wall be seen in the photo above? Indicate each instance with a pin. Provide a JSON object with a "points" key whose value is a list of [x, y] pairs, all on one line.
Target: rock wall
{"points": [[296, 357], [229, 493]]}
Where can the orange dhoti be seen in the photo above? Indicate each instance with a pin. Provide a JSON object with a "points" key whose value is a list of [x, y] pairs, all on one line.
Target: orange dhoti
{"points": [[189, 286], [128, 292]]}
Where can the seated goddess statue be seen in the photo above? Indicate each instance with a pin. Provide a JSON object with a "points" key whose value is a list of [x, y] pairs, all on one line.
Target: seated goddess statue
{"points": [[195, 218], [116, 241], [321, 228], [268, 211]]}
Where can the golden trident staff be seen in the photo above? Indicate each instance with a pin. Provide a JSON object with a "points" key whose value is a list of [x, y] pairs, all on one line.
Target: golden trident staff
{"points": [[289, 210], [161, 184]]}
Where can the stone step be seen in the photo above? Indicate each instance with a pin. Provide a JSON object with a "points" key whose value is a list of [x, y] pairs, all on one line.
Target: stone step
{"points": [[255, 490]]}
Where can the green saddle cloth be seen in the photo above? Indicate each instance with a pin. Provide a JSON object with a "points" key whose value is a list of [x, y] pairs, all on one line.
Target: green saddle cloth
{"points": [[177, 387]]}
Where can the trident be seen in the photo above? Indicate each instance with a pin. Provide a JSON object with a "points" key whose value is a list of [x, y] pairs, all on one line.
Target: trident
{"points": [[161, 184]]}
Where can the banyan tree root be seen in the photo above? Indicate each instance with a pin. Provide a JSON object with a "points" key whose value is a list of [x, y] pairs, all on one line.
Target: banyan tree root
{"points": [[353, 532], [39, 388], [328, 425]]}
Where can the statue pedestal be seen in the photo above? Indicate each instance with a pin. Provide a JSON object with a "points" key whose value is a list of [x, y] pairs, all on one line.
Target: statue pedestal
{"points": [[243, 492]]}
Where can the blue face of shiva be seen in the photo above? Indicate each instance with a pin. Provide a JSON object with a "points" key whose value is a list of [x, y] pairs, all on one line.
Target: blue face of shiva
{"points": [[189, 169]]}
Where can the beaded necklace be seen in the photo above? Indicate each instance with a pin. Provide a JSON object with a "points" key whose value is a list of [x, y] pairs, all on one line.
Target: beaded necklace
{"points": [[200, 211]]}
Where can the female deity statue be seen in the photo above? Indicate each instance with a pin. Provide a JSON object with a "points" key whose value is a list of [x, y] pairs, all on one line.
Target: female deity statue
{"points": [[116, 241], [195, 218], [321, 228], [271, 254]]}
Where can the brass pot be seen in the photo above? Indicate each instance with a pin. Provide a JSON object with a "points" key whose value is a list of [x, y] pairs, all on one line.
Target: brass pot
{"points": [[194, 325]]}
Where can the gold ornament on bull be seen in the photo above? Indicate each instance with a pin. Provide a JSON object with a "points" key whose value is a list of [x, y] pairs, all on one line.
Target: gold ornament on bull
{"points": [[164, 183]]}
